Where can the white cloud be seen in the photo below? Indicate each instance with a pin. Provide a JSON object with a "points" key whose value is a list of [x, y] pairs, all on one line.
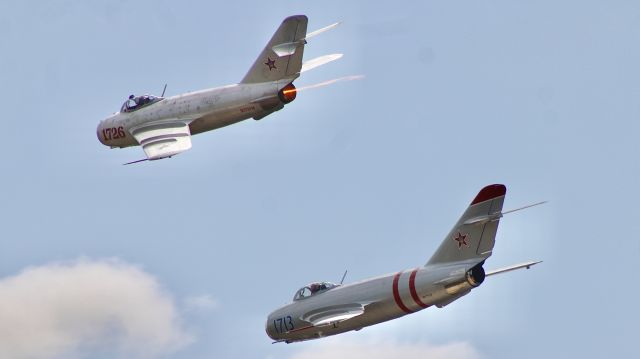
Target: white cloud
{"points": [[388, 349], [72, 309], [203, 302]]}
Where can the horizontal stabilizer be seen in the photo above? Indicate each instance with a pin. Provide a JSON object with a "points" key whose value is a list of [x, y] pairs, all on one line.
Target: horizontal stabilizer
{"points": [[319, 61], [320, 31], [497, 215], [524, 207], [513, 267]]}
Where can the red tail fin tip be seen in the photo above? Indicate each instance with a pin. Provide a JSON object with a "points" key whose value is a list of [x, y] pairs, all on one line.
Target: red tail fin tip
{"points": [[490, 192]]}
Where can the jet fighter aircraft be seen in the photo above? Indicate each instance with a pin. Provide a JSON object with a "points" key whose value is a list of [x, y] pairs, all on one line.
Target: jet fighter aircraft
{"points": [[322, 309], [163, 126]]}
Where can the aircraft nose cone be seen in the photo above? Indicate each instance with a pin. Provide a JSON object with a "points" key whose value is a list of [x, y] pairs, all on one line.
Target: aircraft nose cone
{"points": [[99, 133], [268, 329]]}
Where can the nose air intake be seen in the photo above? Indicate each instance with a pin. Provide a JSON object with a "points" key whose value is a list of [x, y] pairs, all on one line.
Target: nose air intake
{"points": [[99, 134]]}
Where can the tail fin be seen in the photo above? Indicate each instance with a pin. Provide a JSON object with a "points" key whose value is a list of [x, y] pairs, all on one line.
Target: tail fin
{"points": [[282, 57], [475, 233]]}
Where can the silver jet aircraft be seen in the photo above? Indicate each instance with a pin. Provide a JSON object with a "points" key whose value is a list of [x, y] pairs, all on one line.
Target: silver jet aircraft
{"points": [[322, 309], [163, 126]]}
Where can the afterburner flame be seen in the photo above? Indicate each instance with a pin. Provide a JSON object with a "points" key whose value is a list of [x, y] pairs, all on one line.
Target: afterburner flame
{"points": [[288, 93]]}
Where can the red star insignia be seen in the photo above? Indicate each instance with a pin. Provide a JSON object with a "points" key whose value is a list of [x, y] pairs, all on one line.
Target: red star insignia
{"points": [[271, 64], [461, 239]]}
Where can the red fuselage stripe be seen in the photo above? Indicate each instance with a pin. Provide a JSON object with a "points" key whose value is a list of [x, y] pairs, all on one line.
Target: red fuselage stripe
{"points": [[396, 294], [412, 289]]}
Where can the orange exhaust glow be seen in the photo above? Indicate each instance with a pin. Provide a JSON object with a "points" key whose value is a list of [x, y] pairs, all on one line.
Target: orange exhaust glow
{"points": [[288, 93]]}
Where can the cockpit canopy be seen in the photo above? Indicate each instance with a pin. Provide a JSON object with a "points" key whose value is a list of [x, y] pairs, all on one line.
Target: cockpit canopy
{"points": [[313, 289], [134, 103]]}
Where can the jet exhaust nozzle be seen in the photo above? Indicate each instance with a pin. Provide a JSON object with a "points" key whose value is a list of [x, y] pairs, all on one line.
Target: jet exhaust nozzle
{"points": [[475, 276], [288, 93]]}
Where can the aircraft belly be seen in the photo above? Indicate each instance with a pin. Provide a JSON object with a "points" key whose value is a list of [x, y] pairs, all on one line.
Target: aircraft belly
{"points": [[223, 118], [374, 295], [127, 141], [212, 122], [374, 314]]}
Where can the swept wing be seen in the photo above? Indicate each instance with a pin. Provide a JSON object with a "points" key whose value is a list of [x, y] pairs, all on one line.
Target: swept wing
{"points": [[164, 139], [333, 314]]}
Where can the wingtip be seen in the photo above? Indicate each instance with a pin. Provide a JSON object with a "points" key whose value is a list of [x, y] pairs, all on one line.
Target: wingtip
{"points": [[490, 192], [532, 264]]}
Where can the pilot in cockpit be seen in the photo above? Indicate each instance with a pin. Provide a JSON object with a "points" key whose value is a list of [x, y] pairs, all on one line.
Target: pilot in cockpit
{"points": [[313, 289], [135, 102], [132, 103], [316, 287]]}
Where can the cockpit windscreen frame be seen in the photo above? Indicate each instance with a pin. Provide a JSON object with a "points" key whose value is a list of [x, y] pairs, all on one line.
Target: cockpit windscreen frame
{"points": [[313, 289], [135, 103]]}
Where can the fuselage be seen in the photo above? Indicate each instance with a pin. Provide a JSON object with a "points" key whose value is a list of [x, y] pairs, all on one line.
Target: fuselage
{"points": [[384, 298], [203, 110], [163, 126], [321, 309]]}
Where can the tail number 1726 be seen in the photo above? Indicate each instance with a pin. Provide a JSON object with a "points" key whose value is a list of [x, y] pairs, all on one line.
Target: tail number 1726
{"points": [[113, 133]]}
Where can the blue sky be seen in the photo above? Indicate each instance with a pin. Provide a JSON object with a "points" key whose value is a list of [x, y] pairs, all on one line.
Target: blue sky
{"points": [[366, 175]]}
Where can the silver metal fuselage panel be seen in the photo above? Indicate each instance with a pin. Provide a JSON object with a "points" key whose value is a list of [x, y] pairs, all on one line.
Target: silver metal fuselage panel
{"points": [[203, 110], [377, 295]]}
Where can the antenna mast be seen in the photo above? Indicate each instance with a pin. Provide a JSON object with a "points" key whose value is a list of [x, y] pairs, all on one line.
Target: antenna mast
{"points": [[343, 276]]}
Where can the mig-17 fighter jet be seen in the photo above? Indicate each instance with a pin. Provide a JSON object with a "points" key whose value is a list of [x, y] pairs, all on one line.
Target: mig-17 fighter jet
{"points": [[163, 126], [322, 309]]}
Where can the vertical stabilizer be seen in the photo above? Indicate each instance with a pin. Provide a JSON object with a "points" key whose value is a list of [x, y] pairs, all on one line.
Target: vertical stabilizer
{"points": [[282, 57], [475, 233]]}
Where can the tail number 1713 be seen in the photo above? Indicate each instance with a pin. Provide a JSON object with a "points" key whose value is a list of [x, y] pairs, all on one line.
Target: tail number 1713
{"points": [[283, 325]]}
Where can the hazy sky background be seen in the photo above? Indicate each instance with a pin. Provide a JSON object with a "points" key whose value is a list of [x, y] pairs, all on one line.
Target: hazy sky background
{"points": [[184, 258]]}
